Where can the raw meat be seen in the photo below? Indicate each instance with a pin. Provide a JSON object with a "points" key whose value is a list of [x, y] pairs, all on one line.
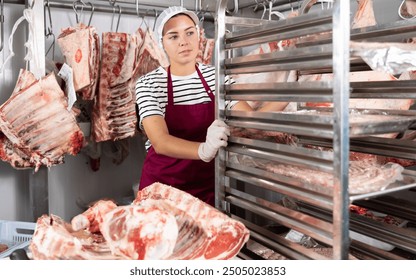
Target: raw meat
{"points": [[35, 120], [364, 16], [80, 47], [162, 223], [3, 247], [13, 155], [364, 176], [54, 239], [225, 236], [93, 217], [114, 112], [140, 233]]}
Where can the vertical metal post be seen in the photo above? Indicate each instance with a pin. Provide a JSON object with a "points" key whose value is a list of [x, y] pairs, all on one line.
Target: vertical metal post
{"points": [[219, 99], [341, 92], [38, 182]]}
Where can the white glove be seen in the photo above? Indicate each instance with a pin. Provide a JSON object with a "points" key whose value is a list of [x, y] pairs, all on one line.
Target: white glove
{"points": [[217, 136]]}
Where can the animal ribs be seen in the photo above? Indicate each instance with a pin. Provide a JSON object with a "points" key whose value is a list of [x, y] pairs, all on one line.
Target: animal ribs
{"points": [[38, 127]]}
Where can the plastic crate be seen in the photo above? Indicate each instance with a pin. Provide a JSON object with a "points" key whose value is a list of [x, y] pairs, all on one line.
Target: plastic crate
{"points": [[15, 235]]}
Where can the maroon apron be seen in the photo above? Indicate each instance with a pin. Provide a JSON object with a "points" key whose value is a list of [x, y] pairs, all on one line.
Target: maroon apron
{"points": [[188, 122]]}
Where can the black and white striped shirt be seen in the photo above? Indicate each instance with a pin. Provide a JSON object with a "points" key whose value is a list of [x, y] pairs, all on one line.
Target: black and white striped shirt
{"points": [[151, 90]]}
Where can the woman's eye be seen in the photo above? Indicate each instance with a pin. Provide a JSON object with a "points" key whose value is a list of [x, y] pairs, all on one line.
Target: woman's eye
{"points": [[190, 33], [173, 37]]}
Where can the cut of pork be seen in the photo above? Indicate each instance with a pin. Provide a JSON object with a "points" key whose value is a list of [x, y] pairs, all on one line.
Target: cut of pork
{"points": [[140, 233], [54, 239], [80, 47], [114, 112], [36, 121], [224, 236]]}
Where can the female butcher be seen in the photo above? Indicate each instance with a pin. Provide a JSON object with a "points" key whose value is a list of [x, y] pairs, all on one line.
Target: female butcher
{"points": [[176, 108]]}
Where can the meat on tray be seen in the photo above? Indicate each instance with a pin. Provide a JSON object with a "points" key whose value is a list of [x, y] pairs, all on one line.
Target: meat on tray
{"points": [[3, 247], [365, 175], [38, 127], [162, 223]]}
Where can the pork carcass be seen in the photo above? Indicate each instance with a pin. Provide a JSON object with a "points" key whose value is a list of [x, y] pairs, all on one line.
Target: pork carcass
{"points": [[54, 239], [114, 112], [224, 236], [36, 121], [150, 55], [140, 233], [126, 232], [364, 17], [80, 47], [365, 176]]}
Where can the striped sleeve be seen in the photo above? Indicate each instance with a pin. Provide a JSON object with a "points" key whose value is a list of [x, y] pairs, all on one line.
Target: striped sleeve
{"points": [[147, 92]]}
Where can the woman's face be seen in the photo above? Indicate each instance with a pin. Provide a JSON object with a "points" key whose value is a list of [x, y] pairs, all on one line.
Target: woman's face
{"points": [[180, 40]]}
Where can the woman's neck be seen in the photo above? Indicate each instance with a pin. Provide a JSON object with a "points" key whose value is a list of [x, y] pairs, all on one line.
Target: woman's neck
{"points": [[182, 69]]}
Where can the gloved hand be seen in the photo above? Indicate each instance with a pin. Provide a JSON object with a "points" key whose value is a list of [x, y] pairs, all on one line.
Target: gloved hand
{"points": [[217, 136]]}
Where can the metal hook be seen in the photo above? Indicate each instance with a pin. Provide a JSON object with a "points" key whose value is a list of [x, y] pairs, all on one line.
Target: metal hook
{"points": [[154, 23], [235, 9], [75, 7], [48, 30], [113, 3], [92, 12], [144, 20]]}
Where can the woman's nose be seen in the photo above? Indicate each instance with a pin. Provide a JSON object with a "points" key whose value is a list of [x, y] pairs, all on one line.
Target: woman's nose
{"points": [[183, 41]]}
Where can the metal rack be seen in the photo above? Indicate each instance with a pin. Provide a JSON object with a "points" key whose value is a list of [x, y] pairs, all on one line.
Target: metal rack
{"points": [[320, 212]]}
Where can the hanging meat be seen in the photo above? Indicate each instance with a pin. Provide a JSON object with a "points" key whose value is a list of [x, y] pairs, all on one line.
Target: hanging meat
{"points": [[114, 112], [162, 223], [80, 47], [42, 133]]}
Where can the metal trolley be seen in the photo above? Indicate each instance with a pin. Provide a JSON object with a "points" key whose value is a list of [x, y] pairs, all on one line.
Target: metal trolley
{"points": [[265, 201]]}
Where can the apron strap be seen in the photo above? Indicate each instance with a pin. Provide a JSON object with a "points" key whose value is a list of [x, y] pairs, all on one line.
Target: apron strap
{"points": [[204, 83]]}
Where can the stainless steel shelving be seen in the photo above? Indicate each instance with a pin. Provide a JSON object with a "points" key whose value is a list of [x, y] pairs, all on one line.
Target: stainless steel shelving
{"points": [[253, 194]]}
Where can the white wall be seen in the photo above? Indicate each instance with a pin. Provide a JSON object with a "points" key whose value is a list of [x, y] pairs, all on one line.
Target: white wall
{"points": [[13, 183]]}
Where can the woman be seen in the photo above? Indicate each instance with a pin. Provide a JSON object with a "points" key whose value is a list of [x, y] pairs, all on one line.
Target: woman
{"points": [[177, 108]]}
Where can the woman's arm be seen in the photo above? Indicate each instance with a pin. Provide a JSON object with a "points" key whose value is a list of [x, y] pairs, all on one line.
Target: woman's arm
{"points": [[267, 106], [166, 144]]}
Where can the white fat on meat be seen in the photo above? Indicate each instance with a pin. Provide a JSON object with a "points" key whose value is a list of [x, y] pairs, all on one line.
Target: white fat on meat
{"points": [[140, 233], [224, 236], [36, 120], [92, 218]]}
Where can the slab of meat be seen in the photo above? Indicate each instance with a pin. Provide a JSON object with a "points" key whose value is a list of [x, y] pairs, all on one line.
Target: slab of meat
{"points": [[140, 233], [35, 120], [365, 176], [13, 155], [114, 112], [224, 236], [162, 223], [208, 51], [80, 47], [54, 239], [3, 247], [93, 217], [364, 15]]}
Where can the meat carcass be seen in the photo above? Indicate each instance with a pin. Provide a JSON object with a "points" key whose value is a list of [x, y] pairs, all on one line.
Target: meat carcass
{"points": [[140, 233], [114, 112], [54, 239], [224, 236], [365, 176], [80, 47], [93, 217], [36, 121]]}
